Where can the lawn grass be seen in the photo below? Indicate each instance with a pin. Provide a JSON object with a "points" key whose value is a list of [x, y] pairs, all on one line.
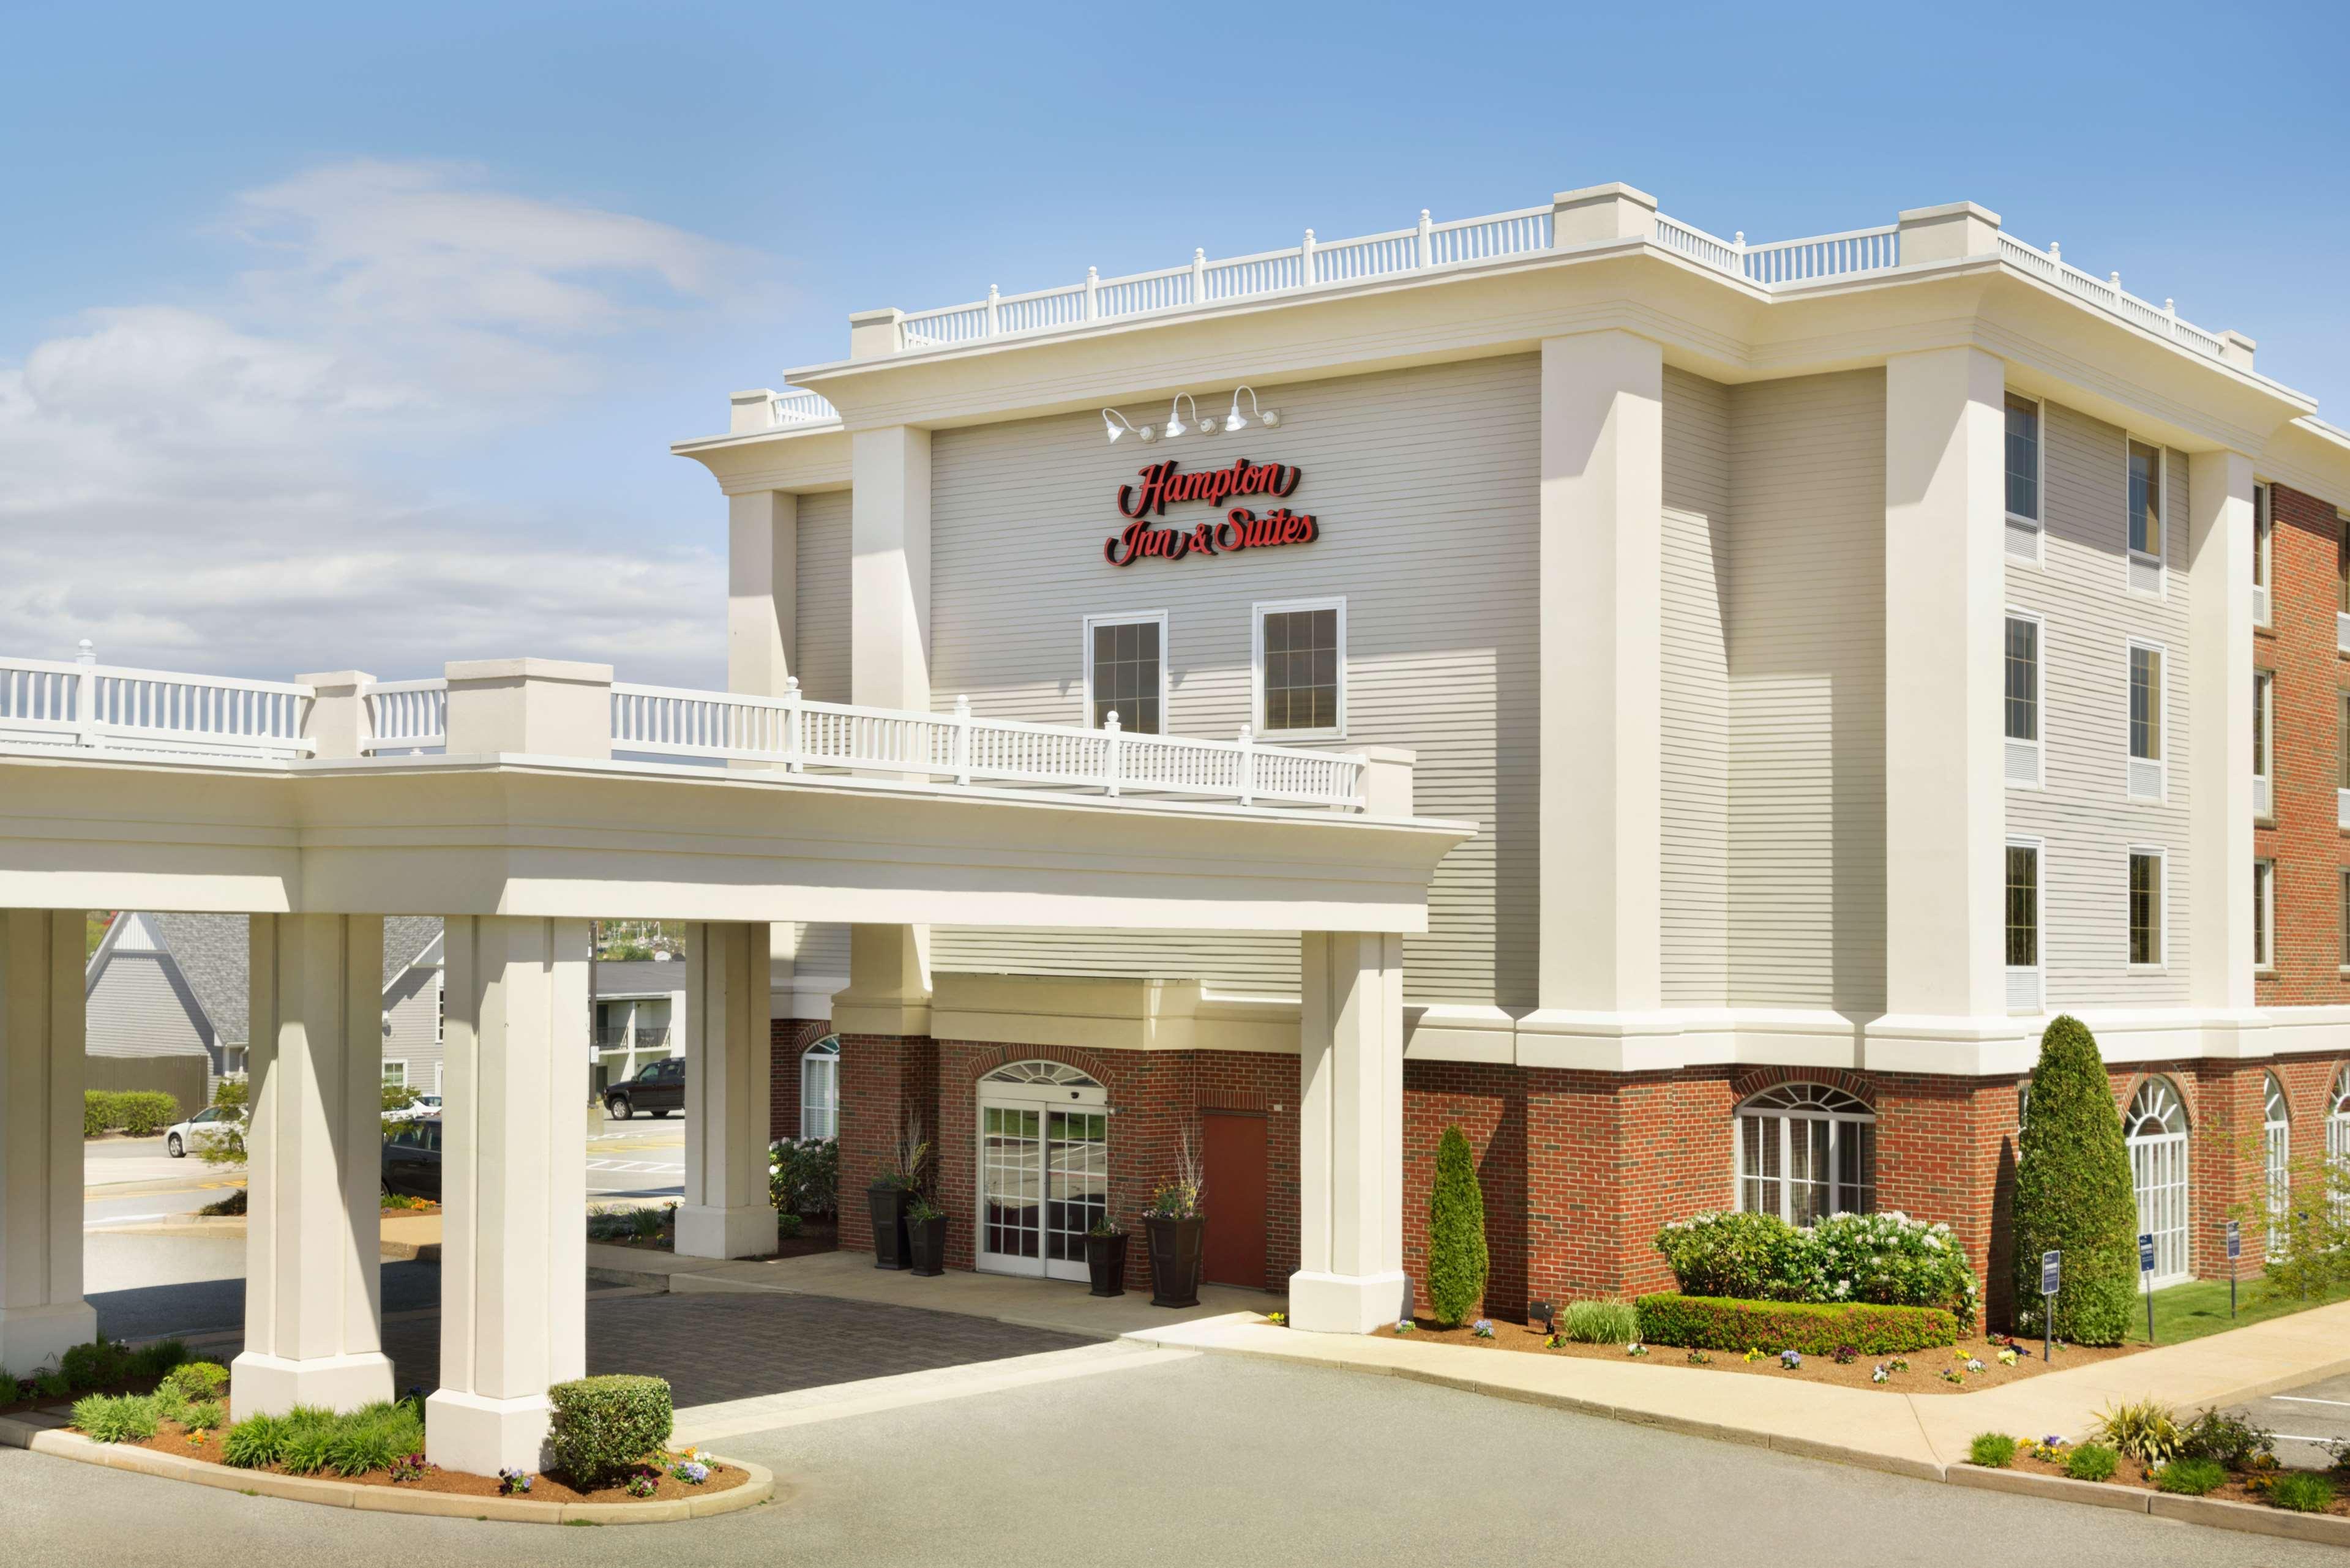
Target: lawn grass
{"points": [[2200, 1307]]}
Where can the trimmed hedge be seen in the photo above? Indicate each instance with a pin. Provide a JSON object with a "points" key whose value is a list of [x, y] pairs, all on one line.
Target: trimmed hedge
{"points": [[2073, 1195], [141, 1113], [602, 1426], [1719, 1323]]}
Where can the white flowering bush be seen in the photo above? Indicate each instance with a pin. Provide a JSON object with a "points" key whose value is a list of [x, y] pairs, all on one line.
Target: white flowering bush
{"points": [[1886, 1260], [803, 1176]]}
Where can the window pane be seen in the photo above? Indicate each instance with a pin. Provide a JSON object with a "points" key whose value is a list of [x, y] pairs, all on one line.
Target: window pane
{"points": [[1126, 676], [2145, 499], [2145, 908], [2341, 741], [1304, 666], [2022, 680], [2022, 907], [2260, 519], [2023, 458], [2345, 918], [2146, 703], [2264, 877], [2260, 725]]}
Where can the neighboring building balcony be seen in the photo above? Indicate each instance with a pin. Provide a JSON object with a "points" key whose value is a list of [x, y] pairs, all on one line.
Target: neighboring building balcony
{"points": [[92, 708], [621, 1037]]}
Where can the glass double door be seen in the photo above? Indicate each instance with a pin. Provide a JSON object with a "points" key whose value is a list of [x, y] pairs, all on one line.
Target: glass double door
{"points": [[1044, 1178]]}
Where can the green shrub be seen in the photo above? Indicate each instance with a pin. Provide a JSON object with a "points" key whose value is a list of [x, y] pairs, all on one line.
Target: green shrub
{"points": [[206, 1416], [98, 1364], [144, 1113], [2303, 1492], [601, 1426], [169, 1404], [255, 1442], [1710, 1322], [2072, 1193], [199, 1379], [2190, 1477], [803, 1176], [373, 1438], [2143, 1429], [51, 1385], [787, 1226], [1600, 1323], [122, 1418], [308, 1448], [1456, 1232], [1992, 1451], [1751, 1257], [2230, 1439], [1885, 1258], [2090, 1462], [159, 1359], [97, 1112]]}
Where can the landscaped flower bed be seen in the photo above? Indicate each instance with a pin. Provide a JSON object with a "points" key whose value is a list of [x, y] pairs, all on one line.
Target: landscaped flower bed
{"points": [[2143, 1446], [1936, 1371]]}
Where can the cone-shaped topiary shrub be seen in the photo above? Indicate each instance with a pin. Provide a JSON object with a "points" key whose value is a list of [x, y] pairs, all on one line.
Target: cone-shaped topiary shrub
{"points": [[2072, 1193], [1456, 1232]]}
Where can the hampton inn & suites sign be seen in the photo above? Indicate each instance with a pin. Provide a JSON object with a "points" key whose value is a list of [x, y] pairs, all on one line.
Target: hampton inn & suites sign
{"points": [[1241, 528]]}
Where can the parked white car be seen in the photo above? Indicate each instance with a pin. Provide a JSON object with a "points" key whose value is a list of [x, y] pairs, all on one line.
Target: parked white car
{"points": [[206, 1126], [424, 1105]]}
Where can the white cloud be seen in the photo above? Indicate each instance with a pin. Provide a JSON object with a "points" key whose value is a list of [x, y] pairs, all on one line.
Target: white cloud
{"points": [[215, 488]]}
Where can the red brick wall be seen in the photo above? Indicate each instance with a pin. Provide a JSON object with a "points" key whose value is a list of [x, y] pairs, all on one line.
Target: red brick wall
{"points": [[2300, 648], [883, 1077], [788, 1038]]}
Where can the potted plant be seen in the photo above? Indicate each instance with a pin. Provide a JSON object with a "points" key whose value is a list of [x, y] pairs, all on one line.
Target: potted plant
{"points": [[893, 1191], [1106, 1254], [926, 1237], [1174, 1225]]}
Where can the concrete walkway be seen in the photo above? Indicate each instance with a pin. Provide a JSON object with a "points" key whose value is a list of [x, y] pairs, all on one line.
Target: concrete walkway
{"points": [[1922, 1434]]}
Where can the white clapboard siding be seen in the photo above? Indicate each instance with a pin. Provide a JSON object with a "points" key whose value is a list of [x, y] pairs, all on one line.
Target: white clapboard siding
{"points": [[2084, 813], [820, 604], [1694, 802], [1424, 483], [1806, 594]]}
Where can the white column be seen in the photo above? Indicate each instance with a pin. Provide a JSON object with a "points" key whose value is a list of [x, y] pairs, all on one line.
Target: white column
{"points": [[313, 1168], [42, 1312], [727, 1212], [889, 568], [762, 587], [1945, 592], [1601, 503], [513, 1182], [2219, 727], [1351, 1134]]}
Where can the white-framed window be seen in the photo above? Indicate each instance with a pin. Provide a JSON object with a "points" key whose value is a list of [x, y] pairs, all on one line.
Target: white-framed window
{"points": [[395, 1074], [2264, 914], [1806, 1151], [2345, 919], [2337, 1128], [2149, 777], [2142, 471], [1300, 668], [2022, 706], [2263, 743], [2263, 523], [2155, 1130], [2342, 759], [1125, 671], [820, 1088], [2150, 902], [2276, 1150], [2026, 478], [2023, 925], [2342, 579]]}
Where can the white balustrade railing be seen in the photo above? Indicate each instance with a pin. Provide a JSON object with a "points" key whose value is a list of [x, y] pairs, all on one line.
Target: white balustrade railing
{"points": [[957, 747], [1825, 256], [406, 715], [2107, 294], [796, 408], [86, 704]]}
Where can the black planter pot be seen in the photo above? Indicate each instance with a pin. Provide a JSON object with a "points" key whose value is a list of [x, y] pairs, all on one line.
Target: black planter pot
{"points": [[1105, 1262], [926, 1244], [888, 1204], [1174, 1260]]}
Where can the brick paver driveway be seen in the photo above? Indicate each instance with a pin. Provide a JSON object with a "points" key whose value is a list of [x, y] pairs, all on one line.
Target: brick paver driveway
{"points": [[720, 1347]]}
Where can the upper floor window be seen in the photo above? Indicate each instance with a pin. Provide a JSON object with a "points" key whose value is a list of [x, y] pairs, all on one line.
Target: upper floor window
{"points": [[2145, 500], [2023, 458], [2022, 905], [1125, 671], [2146, 913], [2264, 914], [2147, 779], [1301, 667], [2261, 517], [2264, 718], [2022, 677], [2342, 740]]}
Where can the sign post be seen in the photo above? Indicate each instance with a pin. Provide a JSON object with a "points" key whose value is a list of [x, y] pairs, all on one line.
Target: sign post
{"points": [[2052, 1269], [2235, 1250], [2146, 1271]]}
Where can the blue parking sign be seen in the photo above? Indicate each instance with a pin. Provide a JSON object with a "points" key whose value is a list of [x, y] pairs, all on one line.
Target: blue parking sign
{"points": [[2051, 1266], [2146, 1251], [2235, 1240]]}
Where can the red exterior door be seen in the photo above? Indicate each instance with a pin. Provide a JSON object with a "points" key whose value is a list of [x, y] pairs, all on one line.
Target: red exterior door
{"points": [[1232, 1248]]}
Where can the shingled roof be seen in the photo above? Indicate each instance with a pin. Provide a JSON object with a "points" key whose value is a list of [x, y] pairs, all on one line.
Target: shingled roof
{"points": [[213, 952]]}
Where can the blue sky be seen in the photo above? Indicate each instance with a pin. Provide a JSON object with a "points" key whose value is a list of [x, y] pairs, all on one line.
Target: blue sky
{"points": [[333, 336]]}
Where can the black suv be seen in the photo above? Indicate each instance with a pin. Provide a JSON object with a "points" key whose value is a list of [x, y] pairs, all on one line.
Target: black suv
{"points": [[411, 1158], [658, 1089]]}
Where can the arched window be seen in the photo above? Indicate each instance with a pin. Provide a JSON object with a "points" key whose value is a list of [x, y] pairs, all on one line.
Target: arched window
{"points": [[2337, 1138], [2155, 1132], [2276, 1142], [1806, 1151], [820, 1088]]}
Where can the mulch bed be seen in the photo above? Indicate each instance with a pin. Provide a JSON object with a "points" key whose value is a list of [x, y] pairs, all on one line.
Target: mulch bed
{"points": [[816, 1236], [1924, 1376], [2128, 1472], [173, 1439]]}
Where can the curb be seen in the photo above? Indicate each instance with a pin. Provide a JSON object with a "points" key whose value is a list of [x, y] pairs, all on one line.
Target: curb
{"points": [[2220, 1513], [44, 1433]]}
